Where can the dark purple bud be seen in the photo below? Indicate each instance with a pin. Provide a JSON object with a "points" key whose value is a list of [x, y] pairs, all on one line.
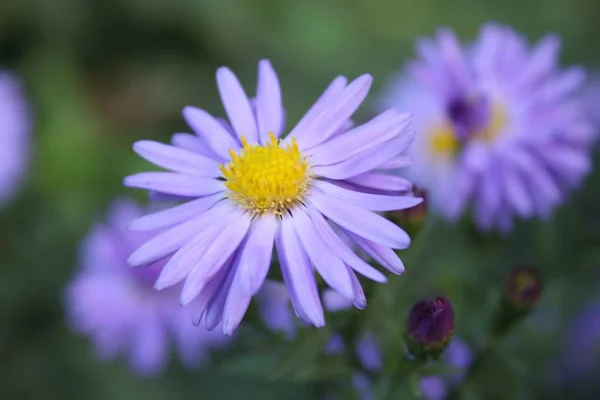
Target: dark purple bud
{"points": [[430, 327], [523, 287]]}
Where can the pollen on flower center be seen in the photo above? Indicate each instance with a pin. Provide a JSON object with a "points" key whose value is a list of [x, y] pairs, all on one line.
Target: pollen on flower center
{"points": [[269, 178], [447, 140]]}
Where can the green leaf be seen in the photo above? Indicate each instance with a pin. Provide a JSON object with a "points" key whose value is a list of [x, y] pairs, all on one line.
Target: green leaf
{"points": [[302, 352]]}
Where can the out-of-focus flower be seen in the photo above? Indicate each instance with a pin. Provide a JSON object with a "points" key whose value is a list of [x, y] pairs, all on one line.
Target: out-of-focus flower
{"points": [[249, 191], [582, 350], [118, 308], [500, 126], [15, 126], [458, 355], [523, 287], [430, 327]]}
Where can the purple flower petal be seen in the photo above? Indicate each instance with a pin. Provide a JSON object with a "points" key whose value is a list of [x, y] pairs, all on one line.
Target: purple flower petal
{"points": [[215, 255], [236, 304], [367, 160], [237, 105], [334, 301], [331, 119], [201, 302], [175, 183], [516, 192], [176, 159], [561, 86], [359, 301], [396, 162], [380, 129], [323, 102], [175, 215], [196, 144], [216, 306], [364, 223], [269, 110], [210, 131], [328, 264], [385, 256], [148, 350], [189, 256], [256, 255], [373, 202], [335, 244], [541, 61], [170, 240], [300, 278], [379, 181]]}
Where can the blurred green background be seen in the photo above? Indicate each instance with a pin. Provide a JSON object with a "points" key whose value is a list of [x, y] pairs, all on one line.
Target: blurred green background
{"points": [[103, 73]]}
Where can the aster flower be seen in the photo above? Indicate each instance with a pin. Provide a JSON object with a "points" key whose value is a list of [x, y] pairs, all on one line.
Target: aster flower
{"points": [[118, 308], [430, 327], [247, 191], [15, 125], [501, 127]]}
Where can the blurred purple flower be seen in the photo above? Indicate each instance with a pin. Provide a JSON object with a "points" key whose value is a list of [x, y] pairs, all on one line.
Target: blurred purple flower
{"points": [[582, 352], [15, 126], [250, 191], [118, 308], [500, 126], [458, 355]]}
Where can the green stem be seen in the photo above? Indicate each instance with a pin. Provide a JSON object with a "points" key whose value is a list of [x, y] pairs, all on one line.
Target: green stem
{"points": [[480, 358]]}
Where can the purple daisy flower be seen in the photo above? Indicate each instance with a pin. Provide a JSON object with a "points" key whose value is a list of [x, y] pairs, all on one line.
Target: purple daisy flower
{"points": [[500, 125], [119, 309], [15, 126], [248, 191]]}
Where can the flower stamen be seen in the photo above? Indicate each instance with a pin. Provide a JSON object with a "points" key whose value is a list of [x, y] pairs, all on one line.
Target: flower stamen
{"points": [[268, 178]]}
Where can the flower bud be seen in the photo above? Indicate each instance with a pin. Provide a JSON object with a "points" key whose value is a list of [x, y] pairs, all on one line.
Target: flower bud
{"points": [[430, 327], [521, 292], [412, 219], [523, 287]]}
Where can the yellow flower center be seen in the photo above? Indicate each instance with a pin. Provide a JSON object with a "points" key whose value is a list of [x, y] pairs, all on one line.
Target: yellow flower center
{"points": [[268, 178], [443, 140]]}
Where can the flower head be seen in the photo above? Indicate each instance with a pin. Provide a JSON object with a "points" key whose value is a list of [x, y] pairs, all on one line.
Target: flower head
{"points": [[247, 190], [118, 308], [15, 125], [430, 327], [501, 129]]}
